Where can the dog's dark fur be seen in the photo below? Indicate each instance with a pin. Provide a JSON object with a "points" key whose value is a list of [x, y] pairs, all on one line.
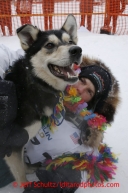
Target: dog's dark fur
{"points": [[40, 76]]}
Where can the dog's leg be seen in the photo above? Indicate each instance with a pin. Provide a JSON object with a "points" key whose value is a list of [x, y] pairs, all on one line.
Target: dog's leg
{"points": [[33, 129], [16, 164]]}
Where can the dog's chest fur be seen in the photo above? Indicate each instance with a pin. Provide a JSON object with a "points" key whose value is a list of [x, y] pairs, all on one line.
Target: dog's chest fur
{"points": [[35, 97]]}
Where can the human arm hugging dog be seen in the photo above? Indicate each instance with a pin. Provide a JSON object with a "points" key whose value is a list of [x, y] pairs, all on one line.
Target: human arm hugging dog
{"points": [[9, 136]]}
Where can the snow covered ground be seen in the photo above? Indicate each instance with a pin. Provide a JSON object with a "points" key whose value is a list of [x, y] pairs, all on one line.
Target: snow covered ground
{"points": [[113, 50]]}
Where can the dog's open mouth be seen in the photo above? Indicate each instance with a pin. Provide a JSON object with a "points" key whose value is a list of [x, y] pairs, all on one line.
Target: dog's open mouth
{"points": [[65, 73]]}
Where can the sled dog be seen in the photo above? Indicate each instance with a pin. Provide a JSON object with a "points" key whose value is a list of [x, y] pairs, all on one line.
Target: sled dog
{"points": [[44, 71]]}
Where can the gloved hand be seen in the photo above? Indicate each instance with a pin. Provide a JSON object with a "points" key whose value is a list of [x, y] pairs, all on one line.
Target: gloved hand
{"points": [[5, 150], [17, 137], [33, 187], [57, 179], [90, 136], [11, 134]]}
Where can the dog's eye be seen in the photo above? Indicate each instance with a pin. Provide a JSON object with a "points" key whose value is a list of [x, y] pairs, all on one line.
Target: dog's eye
{"points": [[70, 42], [49, 46]]}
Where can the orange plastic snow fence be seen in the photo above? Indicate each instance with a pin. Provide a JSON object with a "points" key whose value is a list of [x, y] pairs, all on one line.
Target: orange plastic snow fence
{"points": [[98, 16]]}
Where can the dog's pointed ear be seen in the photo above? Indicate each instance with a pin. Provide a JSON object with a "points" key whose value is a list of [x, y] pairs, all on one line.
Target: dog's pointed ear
{"points": [[70, 26], [27, 35]]}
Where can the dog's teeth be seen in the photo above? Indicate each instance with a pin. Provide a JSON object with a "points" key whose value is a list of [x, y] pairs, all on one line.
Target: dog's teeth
{"points": [[68, 75], [56, 69], [72, 76], [77, 73]]}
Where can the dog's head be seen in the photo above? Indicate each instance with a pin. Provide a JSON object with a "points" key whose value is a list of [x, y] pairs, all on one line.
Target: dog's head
{"points": [[52, 53]]}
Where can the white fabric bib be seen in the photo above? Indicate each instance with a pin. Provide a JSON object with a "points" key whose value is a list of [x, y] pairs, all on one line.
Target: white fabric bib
{"points": [[63, 140]]}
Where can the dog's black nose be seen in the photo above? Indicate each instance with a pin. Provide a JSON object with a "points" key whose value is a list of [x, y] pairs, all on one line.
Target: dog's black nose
{"points": [[74, 50]]}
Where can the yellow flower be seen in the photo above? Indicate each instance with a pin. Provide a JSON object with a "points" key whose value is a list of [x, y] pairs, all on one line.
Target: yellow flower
{"points": [[73, 91], [84, 113]]}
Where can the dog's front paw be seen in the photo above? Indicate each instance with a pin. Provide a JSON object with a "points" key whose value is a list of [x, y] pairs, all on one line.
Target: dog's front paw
{"points": [[93, 137]]}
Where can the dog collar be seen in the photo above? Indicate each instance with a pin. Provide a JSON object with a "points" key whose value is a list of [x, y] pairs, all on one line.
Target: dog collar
{"points": [[59, 110], [58, 114]]}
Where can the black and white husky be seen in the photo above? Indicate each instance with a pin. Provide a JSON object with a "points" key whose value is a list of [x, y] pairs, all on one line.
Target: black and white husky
{"points": [[45, 70]]}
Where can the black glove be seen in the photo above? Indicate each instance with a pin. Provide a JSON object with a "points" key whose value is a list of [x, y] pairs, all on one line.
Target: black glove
{"points": [[5, 150], [55, 181], [33, 187], [11, 134], [90, 136], [85, 131], [11, 138]]}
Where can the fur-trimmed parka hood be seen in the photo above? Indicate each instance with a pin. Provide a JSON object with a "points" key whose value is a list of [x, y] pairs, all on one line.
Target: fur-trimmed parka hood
{"points": [[109, 105]]}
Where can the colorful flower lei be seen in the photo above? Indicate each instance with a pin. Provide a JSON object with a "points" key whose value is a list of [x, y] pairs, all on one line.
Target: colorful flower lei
{"points": [[58, 115], [77, 105]]}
